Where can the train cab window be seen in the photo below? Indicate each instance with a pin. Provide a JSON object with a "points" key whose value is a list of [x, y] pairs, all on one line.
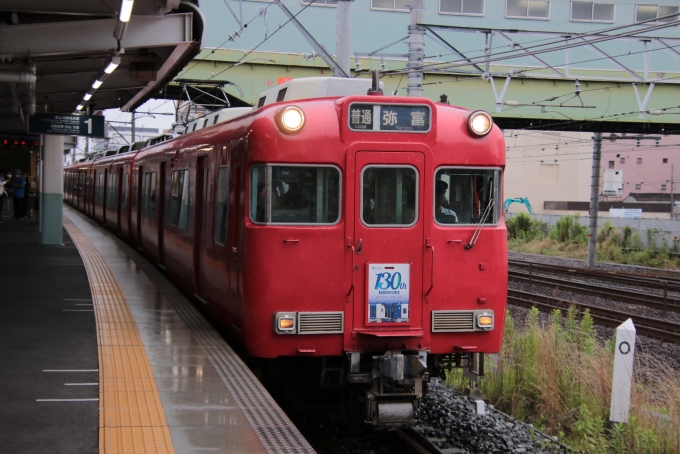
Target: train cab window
{"points": [[389, 196], [81, 184], [124, 192], [179, 199], [99, 188], [467, 196], [112, 189], [222, 205], [149, 194], [295, 194]]}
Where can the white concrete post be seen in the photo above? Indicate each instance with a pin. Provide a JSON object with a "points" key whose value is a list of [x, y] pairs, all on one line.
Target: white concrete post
{"points": [[622, 382], [52, 191]]}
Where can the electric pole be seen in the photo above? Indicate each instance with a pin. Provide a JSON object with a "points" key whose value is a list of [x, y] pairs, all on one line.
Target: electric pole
{"points": [[343, 36], [672, 204], [416, 49], [594, 199]]}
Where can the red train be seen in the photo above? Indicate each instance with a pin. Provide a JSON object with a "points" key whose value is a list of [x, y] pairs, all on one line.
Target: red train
{"points": [[362, 231]]}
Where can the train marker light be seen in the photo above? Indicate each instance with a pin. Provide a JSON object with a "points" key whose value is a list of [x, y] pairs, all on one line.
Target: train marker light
{"points": [[290, 120], [284, 322], [479, 123], [485, 321]]}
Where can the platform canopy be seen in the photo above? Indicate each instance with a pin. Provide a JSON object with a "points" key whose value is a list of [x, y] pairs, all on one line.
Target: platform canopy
{"points": [[53, 53]]}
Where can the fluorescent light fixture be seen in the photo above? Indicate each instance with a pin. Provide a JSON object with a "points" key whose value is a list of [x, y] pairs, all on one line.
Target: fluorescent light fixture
{"points": [[87, 97], [125, 10], [115, 61], [97, 83], [79, 107]]}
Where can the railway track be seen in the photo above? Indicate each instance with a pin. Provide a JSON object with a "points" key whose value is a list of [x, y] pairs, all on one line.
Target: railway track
{"points": [[659, 329], [648, 280], [665, 302]]}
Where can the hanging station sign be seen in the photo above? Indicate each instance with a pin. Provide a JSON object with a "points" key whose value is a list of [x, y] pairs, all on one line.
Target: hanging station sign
{"points": [[67, 124]]}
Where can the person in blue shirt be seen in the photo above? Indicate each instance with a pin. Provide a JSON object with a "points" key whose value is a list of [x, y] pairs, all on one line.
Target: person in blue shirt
{"points": [[18, 193]]}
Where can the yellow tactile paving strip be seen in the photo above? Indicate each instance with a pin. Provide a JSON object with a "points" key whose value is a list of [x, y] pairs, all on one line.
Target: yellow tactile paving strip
{"points": [[131, 418]]}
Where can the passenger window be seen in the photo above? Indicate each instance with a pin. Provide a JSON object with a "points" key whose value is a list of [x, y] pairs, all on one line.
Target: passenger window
{"points": [[222, 205], [82, 182], [467, 196], [134, 190], [179, 198], [112, 187], [149, 194], [124, 195], [99, 189], [389, 196], [295, 194]]}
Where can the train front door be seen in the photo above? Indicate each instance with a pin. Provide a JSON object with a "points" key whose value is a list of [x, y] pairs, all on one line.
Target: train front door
{"points": [[388, 243]]}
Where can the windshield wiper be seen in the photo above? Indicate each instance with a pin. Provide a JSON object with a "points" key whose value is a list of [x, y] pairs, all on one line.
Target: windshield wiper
{"points": [[478, 230]]}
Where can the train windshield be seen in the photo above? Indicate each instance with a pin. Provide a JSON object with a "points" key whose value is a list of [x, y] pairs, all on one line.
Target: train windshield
{"points": [[467, 196], [295, 194], [389, 196]]}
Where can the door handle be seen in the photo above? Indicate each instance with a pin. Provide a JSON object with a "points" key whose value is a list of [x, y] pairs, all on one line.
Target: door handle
{"points": [[359, 246], [351, 288], [429, 246]]}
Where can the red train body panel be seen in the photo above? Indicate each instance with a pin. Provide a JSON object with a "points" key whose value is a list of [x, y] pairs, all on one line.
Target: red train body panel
{"points": [[205, 207]]}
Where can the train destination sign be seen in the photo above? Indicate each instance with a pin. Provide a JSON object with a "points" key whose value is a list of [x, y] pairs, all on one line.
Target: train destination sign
{"points": [[390, 117], [67, 124]]}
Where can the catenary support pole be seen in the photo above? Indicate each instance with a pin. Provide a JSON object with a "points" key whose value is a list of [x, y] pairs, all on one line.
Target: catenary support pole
{"points": [[132, 128], [416, 49], [594, 199], [343, 36], [672, 183], [52, 207]]}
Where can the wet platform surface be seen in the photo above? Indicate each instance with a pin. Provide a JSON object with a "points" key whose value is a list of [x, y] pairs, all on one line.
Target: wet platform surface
{"points": [[207, 400]]}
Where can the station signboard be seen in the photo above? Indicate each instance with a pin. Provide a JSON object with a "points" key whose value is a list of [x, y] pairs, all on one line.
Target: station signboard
{"points": [[67, 124]]}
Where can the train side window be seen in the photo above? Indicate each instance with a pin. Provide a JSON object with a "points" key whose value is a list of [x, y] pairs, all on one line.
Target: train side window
{"points": [[124, 194], [286, 194], [81, 186], [149, 194], [179, 198], [462, 196], [389, 196], [99, 188], [134, 190], [111, 189], [222, 205]]}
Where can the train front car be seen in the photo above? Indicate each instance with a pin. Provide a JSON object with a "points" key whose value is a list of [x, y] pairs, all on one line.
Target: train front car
{"points": [[374, 231]]}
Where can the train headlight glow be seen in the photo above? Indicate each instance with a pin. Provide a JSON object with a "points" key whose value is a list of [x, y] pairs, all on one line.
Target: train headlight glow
{"points": [[479, 123], [291, 120], [284, 322], [485, 321]]}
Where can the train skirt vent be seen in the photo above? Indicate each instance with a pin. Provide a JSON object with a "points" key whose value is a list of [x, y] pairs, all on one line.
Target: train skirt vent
{"points": [[321, 322], [457, 321]]}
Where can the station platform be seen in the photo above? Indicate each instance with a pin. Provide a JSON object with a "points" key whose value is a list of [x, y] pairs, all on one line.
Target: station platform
{"points": [[103, 354]]}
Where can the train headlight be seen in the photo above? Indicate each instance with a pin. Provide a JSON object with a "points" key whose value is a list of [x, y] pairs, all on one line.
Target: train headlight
{"points": [[284, 322], [479, 123], [290, 120], [485, 321]]}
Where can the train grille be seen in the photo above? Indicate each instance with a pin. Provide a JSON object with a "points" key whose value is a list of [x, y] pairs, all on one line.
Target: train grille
{"points": [[320, 322], [453, 321]]}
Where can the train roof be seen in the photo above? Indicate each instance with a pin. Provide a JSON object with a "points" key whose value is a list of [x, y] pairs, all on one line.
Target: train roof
{"points": [[315, 87]]}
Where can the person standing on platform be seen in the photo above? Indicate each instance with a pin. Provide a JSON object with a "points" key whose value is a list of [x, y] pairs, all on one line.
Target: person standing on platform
{"points": [[4, 195], [18, 194]]}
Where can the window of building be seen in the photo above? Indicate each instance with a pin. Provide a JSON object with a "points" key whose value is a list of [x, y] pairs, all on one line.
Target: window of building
{"points": [[149, 194], [529, 9], [112, 189], [623, 160], [467, 196], [389, 196], [665, 160], [592, 12], [284, 194], [611, 164], [638, 186], [663, 187], [639, 160], [222, 205], [467, 7], [321, 3], [393, 5], [178, 208], [649, 12]]}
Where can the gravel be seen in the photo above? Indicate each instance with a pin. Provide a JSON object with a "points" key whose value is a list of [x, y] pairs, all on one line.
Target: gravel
{"points": [[449, 420]]}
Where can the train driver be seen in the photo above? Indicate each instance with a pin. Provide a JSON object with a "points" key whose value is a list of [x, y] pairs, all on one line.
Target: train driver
{"points": [[441, 212]]}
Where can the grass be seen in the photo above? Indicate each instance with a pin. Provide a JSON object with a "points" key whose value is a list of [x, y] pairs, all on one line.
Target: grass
{"points": [[569, 239], [558, 376]]}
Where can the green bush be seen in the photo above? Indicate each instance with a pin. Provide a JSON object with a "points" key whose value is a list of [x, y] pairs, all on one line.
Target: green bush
{"points": [[567, 229], [522, 227]]}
